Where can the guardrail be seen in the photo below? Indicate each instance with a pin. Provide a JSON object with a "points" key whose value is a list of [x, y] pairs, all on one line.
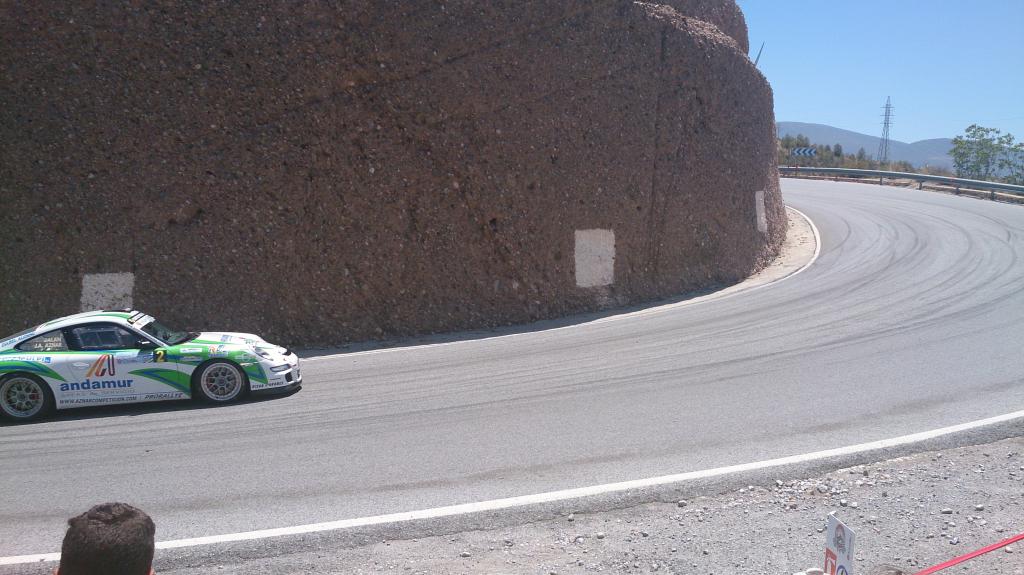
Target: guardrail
{"points": [[957, 183]]}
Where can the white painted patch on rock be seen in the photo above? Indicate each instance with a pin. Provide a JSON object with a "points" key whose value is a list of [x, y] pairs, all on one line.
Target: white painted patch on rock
{"points": [[595, 258], [107, 291], [762, 218]]}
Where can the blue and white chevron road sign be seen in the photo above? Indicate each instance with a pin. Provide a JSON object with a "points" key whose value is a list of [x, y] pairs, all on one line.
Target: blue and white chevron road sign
{"points": [[804, 152]]}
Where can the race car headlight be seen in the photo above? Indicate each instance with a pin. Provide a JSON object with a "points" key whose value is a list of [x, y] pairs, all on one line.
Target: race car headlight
{"points": [[280, 368]]}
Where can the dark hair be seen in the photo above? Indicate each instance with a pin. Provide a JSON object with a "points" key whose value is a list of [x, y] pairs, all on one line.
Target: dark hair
{"points": [[110, 539]]}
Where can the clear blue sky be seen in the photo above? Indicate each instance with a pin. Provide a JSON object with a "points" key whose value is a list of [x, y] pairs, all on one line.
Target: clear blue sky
{"points": [[946, 63]]}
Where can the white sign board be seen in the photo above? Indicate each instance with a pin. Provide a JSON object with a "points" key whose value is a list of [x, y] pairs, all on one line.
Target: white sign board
{"points": [[762, 218], [595, 258], [838, 548]]}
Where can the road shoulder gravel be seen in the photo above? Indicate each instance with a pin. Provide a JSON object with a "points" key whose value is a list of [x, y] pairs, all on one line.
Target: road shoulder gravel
{"points": [[910, 512]]}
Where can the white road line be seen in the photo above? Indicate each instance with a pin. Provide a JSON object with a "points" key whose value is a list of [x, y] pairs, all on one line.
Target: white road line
{"points": [[742, 287], [551, 496]]}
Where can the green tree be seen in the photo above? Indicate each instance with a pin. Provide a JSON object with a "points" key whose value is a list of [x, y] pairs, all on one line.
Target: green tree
{"points": [[980, 152], [838, 150], [1012, 163], [786, 145]]}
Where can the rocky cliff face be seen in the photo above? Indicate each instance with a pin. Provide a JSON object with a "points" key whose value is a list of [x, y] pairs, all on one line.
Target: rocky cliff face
{"points": [[328, 172]]}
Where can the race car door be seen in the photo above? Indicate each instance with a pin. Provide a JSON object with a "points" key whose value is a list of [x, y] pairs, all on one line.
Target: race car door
{"points": [[122, 366]]}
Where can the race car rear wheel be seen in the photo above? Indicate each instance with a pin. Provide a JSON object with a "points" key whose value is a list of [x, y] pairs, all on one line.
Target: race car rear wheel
{"points": [[220, 381], [24, 397]]}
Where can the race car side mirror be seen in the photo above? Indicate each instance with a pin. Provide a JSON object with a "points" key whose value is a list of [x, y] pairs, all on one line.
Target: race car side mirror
{"points": [[146, 344]]}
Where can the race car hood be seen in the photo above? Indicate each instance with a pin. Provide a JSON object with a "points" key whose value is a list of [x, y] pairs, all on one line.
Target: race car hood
{"points": [[231, 337], [248, 340]]}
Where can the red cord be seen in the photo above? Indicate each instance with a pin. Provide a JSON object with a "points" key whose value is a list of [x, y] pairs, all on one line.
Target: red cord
{"points": [[971, 555]]}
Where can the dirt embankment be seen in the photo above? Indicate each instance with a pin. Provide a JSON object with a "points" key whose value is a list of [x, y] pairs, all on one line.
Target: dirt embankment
{"points": [[326, 173]]}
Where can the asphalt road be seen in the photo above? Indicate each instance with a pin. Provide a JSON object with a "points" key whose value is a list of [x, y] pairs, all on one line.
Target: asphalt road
{"points": [[911, 319]]}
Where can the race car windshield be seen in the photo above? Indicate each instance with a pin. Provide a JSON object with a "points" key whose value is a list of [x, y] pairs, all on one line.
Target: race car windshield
{"points": [[166, 334]]}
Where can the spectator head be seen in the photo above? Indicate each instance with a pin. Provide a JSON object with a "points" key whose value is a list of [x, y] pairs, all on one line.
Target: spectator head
{"points": [[111, 538]]}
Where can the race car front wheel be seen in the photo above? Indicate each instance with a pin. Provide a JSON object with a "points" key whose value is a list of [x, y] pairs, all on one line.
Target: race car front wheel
{"points": [[220, 381], [24, 397]]}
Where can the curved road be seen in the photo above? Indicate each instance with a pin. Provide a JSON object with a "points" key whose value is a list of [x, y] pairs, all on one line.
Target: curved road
{"points": [[911, 319]]}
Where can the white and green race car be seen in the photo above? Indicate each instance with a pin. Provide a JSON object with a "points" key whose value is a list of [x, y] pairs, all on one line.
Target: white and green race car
{"points": [[126, 356]]}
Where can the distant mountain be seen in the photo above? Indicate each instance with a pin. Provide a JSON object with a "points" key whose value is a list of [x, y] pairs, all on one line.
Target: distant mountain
{"points": [[933, 152]]}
